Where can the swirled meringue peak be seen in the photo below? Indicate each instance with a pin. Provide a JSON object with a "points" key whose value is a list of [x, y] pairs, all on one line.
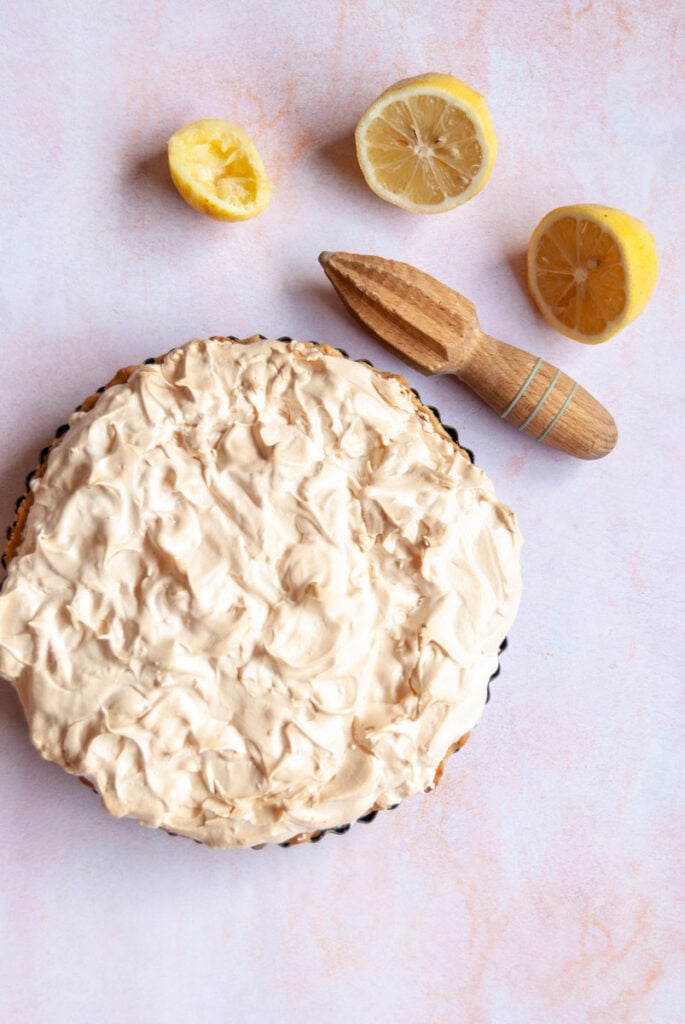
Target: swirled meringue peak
{"points": [[259, 593]]}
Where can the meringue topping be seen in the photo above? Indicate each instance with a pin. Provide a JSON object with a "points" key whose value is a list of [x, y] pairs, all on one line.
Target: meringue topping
{"points": [[259, 593]]}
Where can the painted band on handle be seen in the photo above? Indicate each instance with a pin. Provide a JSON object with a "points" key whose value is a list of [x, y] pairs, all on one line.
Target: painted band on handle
{"points": [[548, 391], [522, 390], [561, 412]]}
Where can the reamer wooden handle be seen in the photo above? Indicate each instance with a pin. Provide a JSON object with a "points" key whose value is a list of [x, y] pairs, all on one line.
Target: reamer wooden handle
{"points": [[538, 399]]}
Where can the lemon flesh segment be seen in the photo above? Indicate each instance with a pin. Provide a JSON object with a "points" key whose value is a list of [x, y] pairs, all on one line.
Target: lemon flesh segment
{"points": [[218, 171], [591, 270], [426, 144]]}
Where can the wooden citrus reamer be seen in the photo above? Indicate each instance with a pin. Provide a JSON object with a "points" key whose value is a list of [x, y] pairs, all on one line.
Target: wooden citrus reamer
{"points": [[436, 330]]}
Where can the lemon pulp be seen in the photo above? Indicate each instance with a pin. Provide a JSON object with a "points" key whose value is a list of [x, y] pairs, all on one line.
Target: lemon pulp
{"points": [[427, 143], [591, 270]]}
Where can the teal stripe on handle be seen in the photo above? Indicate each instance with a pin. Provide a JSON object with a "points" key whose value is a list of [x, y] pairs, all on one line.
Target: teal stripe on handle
{"points": [[561, 412], [542, 401], [522, 390]]}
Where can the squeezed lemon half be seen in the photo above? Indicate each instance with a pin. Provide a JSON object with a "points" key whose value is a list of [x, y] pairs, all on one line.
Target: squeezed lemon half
{"points": [[217, 170], [591, 270], [427, 143]]}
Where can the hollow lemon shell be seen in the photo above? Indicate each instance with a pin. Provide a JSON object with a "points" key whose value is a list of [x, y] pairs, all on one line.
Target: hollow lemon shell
{"points": [[218, 171]]}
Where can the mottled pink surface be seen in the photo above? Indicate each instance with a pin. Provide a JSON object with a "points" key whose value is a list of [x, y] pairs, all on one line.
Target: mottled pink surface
{"points": [[541, 883]]}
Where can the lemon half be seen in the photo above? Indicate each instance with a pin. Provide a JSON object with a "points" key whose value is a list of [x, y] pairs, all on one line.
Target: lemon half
{"points": [[591, 270], [217, 170], [427, 143]]}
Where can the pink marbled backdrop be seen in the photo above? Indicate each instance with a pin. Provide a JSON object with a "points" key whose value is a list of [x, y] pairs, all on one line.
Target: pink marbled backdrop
{"points": [[541, 884]]}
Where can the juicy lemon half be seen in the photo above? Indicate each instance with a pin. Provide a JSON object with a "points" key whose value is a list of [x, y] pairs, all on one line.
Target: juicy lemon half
{"points": [[217, 170], [427, 143], [591, 270]]}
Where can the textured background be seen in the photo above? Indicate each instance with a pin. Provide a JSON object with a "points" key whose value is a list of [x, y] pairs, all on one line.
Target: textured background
{"points": [[540, 882]]}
